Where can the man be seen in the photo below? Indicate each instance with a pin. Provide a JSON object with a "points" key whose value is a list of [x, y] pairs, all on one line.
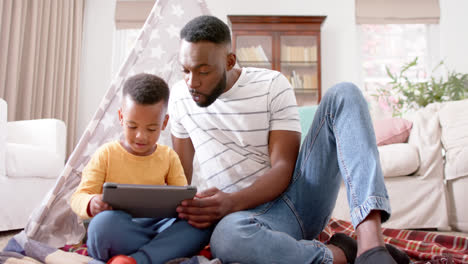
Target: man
{"points": [[243, 124]]}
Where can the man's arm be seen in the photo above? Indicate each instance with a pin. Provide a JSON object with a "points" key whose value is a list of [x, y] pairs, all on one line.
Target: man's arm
{"points": [[185, 150], [284, 148], [213, 204]]}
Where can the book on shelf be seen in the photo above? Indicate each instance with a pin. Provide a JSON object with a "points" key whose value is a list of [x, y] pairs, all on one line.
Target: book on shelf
{"points": [[304, 81], [310, 81], [252, 54], [298, 53]]}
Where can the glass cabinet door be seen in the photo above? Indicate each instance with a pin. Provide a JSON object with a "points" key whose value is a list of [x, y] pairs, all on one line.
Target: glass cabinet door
{"points": [[288, 44], [299, 63], [254, 51]]}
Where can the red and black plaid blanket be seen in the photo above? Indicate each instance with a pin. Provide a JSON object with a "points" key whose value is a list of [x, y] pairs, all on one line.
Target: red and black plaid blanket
{"points": [[421, 246]]}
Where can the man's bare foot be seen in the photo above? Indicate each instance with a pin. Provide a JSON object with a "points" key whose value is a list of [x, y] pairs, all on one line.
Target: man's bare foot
{"points": [[369, 233], [338, 255]]}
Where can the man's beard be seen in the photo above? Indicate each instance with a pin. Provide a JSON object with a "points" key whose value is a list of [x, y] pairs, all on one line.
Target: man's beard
{"points": [[218, 90]]}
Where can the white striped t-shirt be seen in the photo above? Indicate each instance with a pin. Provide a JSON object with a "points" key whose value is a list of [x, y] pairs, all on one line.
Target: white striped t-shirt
{"points": [[230, 136]]}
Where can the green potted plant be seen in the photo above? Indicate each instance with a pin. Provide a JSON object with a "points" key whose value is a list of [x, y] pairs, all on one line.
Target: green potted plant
{"points": [[404, 94]]}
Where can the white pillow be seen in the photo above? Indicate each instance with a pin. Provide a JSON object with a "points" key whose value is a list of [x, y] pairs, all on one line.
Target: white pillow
{"points": [[32, 161], [400, 159], [454, 123]]}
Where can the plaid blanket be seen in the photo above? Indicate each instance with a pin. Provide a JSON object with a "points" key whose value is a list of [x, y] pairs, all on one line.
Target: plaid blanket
{"points": [[421, 246]]}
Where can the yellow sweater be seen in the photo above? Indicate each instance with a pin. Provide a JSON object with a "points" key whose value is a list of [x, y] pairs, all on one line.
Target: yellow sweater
{"points": [[112, 163]]}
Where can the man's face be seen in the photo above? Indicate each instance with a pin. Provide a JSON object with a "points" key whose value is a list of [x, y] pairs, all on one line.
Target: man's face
{"points": [[204, 67]]}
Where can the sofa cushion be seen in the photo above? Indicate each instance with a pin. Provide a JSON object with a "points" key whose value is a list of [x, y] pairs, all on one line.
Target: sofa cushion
{"points": [[32, 161], [306, 116], [398, 159], [392, 130], [454, 124]]}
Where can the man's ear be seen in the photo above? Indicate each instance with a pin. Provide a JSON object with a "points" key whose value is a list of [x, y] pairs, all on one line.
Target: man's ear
{"points": [[120, 116], [231, 61], [166, 119]]}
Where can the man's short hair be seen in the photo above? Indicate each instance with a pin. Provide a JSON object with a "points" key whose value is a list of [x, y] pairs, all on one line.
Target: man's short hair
{"points": [[206, 28], [146, 89]]}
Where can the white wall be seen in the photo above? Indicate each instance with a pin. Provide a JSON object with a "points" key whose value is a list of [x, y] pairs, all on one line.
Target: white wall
{"points": [[339, 44], [340, 60], [454, 34]]}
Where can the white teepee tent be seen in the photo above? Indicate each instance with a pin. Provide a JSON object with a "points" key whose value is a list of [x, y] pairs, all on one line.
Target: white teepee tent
{"points": [[155, 51]]}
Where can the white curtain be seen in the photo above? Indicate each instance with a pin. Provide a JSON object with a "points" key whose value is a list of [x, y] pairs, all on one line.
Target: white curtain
{"points": [[40, 50]]}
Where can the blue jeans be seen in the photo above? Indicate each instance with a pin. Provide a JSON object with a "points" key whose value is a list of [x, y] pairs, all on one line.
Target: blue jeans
{"points": [[147, 240], [340, 145]]}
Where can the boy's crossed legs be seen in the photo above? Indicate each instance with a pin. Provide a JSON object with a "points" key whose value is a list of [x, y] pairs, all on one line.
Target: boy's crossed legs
{"points": [[146, 240]]}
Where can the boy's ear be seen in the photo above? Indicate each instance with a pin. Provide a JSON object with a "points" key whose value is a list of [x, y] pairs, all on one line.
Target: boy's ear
{"points": [[166, 119], [120, 116]]}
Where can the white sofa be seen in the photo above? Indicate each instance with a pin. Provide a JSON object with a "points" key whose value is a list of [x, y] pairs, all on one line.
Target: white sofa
{"points": [[32, 155], [427, 176]]}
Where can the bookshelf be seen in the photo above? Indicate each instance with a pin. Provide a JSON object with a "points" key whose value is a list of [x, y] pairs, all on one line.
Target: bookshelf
{"points": [[289, 44]]}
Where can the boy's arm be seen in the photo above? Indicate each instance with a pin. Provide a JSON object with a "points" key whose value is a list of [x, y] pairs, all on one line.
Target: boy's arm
{"points": [[186, 152], [92, 179], [176, 175]]}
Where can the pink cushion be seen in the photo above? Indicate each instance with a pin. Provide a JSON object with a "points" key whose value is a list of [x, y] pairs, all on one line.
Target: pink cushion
{"points": [[392, 130]]}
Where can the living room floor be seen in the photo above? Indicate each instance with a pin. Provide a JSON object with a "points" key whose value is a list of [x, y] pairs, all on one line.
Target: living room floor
{"points": [[6, 235]]}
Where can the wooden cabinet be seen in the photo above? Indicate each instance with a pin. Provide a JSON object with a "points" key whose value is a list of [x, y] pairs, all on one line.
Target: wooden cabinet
{"points": [[289, 44]]}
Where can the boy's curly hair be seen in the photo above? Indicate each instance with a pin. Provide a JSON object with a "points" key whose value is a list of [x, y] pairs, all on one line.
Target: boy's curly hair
{"points": [[146, 88]]}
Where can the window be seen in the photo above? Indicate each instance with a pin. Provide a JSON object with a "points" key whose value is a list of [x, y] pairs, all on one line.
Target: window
{"points": [[394, 45]]}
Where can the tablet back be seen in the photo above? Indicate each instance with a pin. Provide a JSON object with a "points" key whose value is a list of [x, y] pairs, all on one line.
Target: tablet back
{"points": [[146, 200]]}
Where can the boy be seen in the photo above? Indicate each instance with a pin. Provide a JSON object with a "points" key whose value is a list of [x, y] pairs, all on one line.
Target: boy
{"points": [[136, 159]]}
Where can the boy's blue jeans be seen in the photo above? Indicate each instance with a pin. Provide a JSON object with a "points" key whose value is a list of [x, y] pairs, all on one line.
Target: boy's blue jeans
{"points": [[147, 240], [340, 146]]}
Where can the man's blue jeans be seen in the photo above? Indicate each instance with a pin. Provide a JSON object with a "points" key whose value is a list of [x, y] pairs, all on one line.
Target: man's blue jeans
{"points": [[340, 145], [147, 240]]}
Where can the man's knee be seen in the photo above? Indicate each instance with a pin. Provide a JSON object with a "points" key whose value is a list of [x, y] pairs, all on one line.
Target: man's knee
{"points": [[231, 236], [344, 91]]}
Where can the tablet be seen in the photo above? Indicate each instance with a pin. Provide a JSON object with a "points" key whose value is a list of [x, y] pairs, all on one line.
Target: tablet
{"points": [[146, 200]]}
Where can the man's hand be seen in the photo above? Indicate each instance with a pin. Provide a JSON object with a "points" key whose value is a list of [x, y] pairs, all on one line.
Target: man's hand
{"points": [[206, 208], [97, 205]]}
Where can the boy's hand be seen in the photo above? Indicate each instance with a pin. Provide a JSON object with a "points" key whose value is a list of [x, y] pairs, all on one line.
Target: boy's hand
{"points": [[97, 205], [206, 208]]}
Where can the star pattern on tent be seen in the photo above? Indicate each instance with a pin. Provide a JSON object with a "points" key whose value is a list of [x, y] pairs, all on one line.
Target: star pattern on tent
{"points": [[157, 52], [173, 31], [109, 120], [166, 68], [91, 148], [155, 34], [157, 11], [177, 10]]}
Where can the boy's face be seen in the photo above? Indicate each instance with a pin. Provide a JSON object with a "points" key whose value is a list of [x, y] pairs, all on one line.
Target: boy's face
{"points": [[142, 125]]}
